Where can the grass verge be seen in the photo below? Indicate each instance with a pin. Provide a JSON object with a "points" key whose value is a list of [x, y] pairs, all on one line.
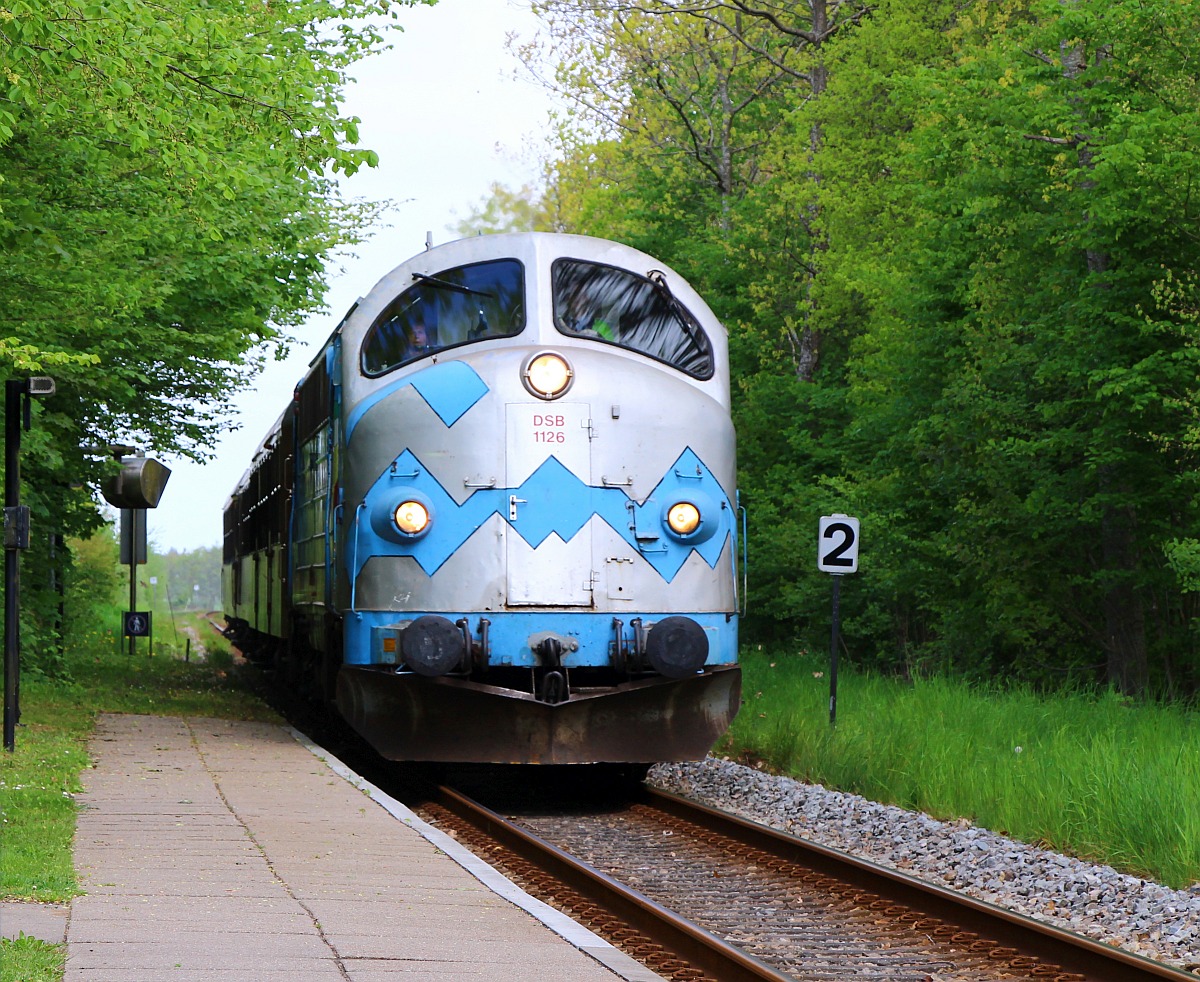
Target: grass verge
{"points": [[39, 779], [1094, 776], [30, 960]]}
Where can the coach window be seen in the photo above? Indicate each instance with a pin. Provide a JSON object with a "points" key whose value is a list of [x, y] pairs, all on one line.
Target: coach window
{"points": [[446, 309], [637, 312]]}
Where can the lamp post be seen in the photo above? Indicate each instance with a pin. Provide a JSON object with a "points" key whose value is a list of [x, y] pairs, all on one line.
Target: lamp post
{"points": [[17, 411]]}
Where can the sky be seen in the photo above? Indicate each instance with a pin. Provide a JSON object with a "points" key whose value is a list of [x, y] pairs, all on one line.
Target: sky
{"points": [[447, 118]]}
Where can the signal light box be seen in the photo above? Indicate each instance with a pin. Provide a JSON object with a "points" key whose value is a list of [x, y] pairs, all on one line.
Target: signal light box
{"points": [[139, 484]]}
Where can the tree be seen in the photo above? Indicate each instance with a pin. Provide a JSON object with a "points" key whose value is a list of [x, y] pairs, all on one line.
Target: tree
{"points": [[976, 236], [506, 210], [165, 204], [166, 210], [710, 85], [1052, 409]]}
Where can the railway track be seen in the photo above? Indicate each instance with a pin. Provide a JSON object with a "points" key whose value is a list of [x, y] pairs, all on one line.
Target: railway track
{"points": [[698, 894]]}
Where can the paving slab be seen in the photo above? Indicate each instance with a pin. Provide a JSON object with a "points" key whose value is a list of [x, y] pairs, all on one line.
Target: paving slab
{"points": [[46, 922], [220, 851]]}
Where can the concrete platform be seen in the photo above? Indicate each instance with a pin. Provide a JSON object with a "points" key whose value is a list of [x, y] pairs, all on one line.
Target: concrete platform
{"points": [[46, 922], [215, 851]]}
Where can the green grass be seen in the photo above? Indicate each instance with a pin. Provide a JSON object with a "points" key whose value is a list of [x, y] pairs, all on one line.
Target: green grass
{"points": [[1093, 776], [30, 960], [39, 779]]}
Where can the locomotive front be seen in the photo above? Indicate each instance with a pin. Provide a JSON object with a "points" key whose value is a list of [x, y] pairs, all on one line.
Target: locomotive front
{"points": [[537, 526]]}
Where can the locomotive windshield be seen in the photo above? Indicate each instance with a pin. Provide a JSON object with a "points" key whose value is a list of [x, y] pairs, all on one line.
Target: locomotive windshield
{"points": [[452, 307], [637, 312]]}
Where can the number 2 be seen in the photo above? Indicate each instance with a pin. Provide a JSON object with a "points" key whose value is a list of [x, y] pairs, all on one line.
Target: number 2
{"points": [[837, 557]]}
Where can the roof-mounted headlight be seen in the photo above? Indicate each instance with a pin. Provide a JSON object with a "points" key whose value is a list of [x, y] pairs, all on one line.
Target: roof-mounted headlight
{"points": [[547, 375]]}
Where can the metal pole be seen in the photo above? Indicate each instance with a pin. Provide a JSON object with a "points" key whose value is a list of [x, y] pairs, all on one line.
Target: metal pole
{"points": [[58, 548], [14, 391], [833, 649], [133, 541]]}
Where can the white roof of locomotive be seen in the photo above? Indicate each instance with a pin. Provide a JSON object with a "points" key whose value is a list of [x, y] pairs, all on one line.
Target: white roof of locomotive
{"points": [[536, 250]]}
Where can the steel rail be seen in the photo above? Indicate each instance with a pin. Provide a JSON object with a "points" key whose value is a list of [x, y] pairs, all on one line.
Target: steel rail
{"points": [[705, 951], [1096, 961]]}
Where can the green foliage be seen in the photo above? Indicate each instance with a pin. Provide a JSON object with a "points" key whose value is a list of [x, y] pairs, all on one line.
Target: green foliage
{"points": [[505, 210], [1183, 556], [166, 211], [165, 206], [164, 200], [94, 584], [95, 590], [1044, 447]]}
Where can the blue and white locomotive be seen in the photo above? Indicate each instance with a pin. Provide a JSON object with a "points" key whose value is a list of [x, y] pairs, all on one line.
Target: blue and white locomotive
{"points": [[499, 521]]}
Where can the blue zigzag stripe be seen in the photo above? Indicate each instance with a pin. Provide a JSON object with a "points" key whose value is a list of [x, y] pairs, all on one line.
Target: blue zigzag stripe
{"points": [[556, 501], [450, 388]]}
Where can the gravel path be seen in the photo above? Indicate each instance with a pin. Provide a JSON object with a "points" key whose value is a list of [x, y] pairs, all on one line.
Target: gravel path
{"points": [[1097, 901]]}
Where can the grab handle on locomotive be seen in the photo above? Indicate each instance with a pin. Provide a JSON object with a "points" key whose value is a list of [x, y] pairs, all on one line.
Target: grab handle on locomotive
{"points": [[354, 561], [743, 601]]}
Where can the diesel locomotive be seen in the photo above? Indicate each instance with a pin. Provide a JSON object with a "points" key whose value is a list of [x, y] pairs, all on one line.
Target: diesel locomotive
{"points": [[498, 522]]}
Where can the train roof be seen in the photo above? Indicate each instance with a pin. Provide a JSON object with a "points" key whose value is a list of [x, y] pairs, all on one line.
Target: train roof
{"points": [[527, 246], [265, 446]]}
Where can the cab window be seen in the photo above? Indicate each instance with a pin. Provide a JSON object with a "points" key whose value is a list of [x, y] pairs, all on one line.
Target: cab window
{"points": [[446, 309], [636, 312]]}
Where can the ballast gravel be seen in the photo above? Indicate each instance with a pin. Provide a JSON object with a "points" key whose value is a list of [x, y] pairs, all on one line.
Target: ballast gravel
{"points": [[1097, 901]]}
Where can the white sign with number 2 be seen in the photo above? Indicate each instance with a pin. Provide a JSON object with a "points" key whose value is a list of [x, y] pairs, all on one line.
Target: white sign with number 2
{"points": [[837, 544]]}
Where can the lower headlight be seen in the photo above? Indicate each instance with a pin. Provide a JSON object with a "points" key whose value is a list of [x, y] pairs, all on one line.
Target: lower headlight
{"points": [[691, 518], [411, 517], [683, 517]]}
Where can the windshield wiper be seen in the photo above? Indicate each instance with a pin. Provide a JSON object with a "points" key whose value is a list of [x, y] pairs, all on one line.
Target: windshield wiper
{"points": [[659, 279], [447, 285]]}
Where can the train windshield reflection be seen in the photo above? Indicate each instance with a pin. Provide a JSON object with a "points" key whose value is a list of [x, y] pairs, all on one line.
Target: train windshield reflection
{"points": [[452, 307], [619, 307]]}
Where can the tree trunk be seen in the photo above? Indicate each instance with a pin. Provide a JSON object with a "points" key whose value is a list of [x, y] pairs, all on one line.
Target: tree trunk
{"points": [[1124, 613], [808, 353]]}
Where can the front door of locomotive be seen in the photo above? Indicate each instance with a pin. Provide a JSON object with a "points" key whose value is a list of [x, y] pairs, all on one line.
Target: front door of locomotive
{"points": [[549, 541]]}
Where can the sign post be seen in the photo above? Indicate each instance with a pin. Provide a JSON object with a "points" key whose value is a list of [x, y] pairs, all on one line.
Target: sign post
{"points": [[133, 552], [837, 553], [17, 416], [137, 486]]}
